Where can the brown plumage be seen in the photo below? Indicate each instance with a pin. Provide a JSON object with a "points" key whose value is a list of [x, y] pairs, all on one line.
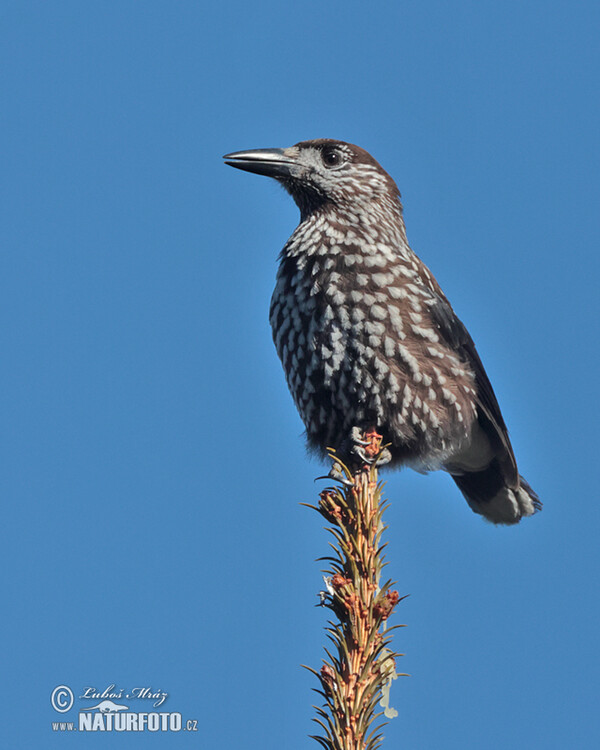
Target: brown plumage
{"points": [[368, 339]]}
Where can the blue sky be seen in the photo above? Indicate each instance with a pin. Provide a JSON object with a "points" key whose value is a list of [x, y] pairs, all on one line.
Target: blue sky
{"points": [[152, 460]]}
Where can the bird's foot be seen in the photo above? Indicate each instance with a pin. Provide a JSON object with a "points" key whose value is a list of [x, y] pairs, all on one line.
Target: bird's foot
{"points": [[338, 474], [367, 446]]}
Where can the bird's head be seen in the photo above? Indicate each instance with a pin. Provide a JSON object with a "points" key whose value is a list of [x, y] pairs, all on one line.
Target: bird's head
{"points": [[320, 173]]}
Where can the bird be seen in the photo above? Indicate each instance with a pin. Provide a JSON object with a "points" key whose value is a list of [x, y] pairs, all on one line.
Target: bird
{"points": [[369, 342]]}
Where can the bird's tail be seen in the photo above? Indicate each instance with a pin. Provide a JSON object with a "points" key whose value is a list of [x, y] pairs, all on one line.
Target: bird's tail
{"points": [[488, 494]]}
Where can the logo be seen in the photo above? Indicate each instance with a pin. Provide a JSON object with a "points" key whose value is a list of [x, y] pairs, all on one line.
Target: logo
{"points": [[106, 707], [107, 712], [62, 699]]}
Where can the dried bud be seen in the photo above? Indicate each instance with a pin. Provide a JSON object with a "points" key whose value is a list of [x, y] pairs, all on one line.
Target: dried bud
{"points": [[383, 608], [329, 507], [328, 675], [338, 581], [373, 447]]}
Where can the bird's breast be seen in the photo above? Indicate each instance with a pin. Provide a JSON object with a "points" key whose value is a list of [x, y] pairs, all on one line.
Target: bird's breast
{"points": [[353, 329]]}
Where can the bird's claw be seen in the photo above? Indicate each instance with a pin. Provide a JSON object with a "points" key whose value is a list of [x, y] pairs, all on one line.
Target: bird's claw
{"points": [[338, 475], [356, 436], [367, 446], [384, 457]]}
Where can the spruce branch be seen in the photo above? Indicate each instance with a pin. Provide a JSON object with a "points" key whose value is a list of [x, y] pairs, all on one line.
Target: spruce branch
{"points": [[357, 674]]}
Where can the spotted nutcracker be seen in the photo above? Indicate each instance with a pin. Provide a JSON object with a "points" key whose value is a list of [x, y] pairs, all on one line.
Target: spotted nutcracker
{"points": [[367, 338]]}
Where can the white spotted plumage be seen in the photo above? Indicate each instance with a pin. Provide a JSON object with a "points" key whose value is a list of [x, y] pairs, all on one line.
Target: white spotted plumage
{"points": [[361, 317]]}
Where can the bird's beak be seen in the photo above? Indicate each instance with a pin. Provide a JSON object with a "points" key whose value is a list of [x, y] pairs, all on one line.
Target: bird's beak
{"points": [[272, 162]]}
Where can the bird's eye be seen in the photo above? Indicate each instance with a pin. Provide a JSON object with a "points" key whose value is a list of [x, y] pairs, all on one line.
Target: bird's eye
{"points": [[331, 157]]}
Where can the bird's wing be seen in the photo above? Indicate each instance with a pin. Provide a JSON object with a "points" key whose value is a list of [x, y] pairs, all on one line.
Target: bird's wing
{"points": [[453, 331]]}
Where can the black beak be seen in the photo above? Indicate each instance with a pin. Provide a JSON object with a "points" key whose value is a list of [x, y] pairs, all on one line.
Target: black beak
{"points": [[272, 162]]}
